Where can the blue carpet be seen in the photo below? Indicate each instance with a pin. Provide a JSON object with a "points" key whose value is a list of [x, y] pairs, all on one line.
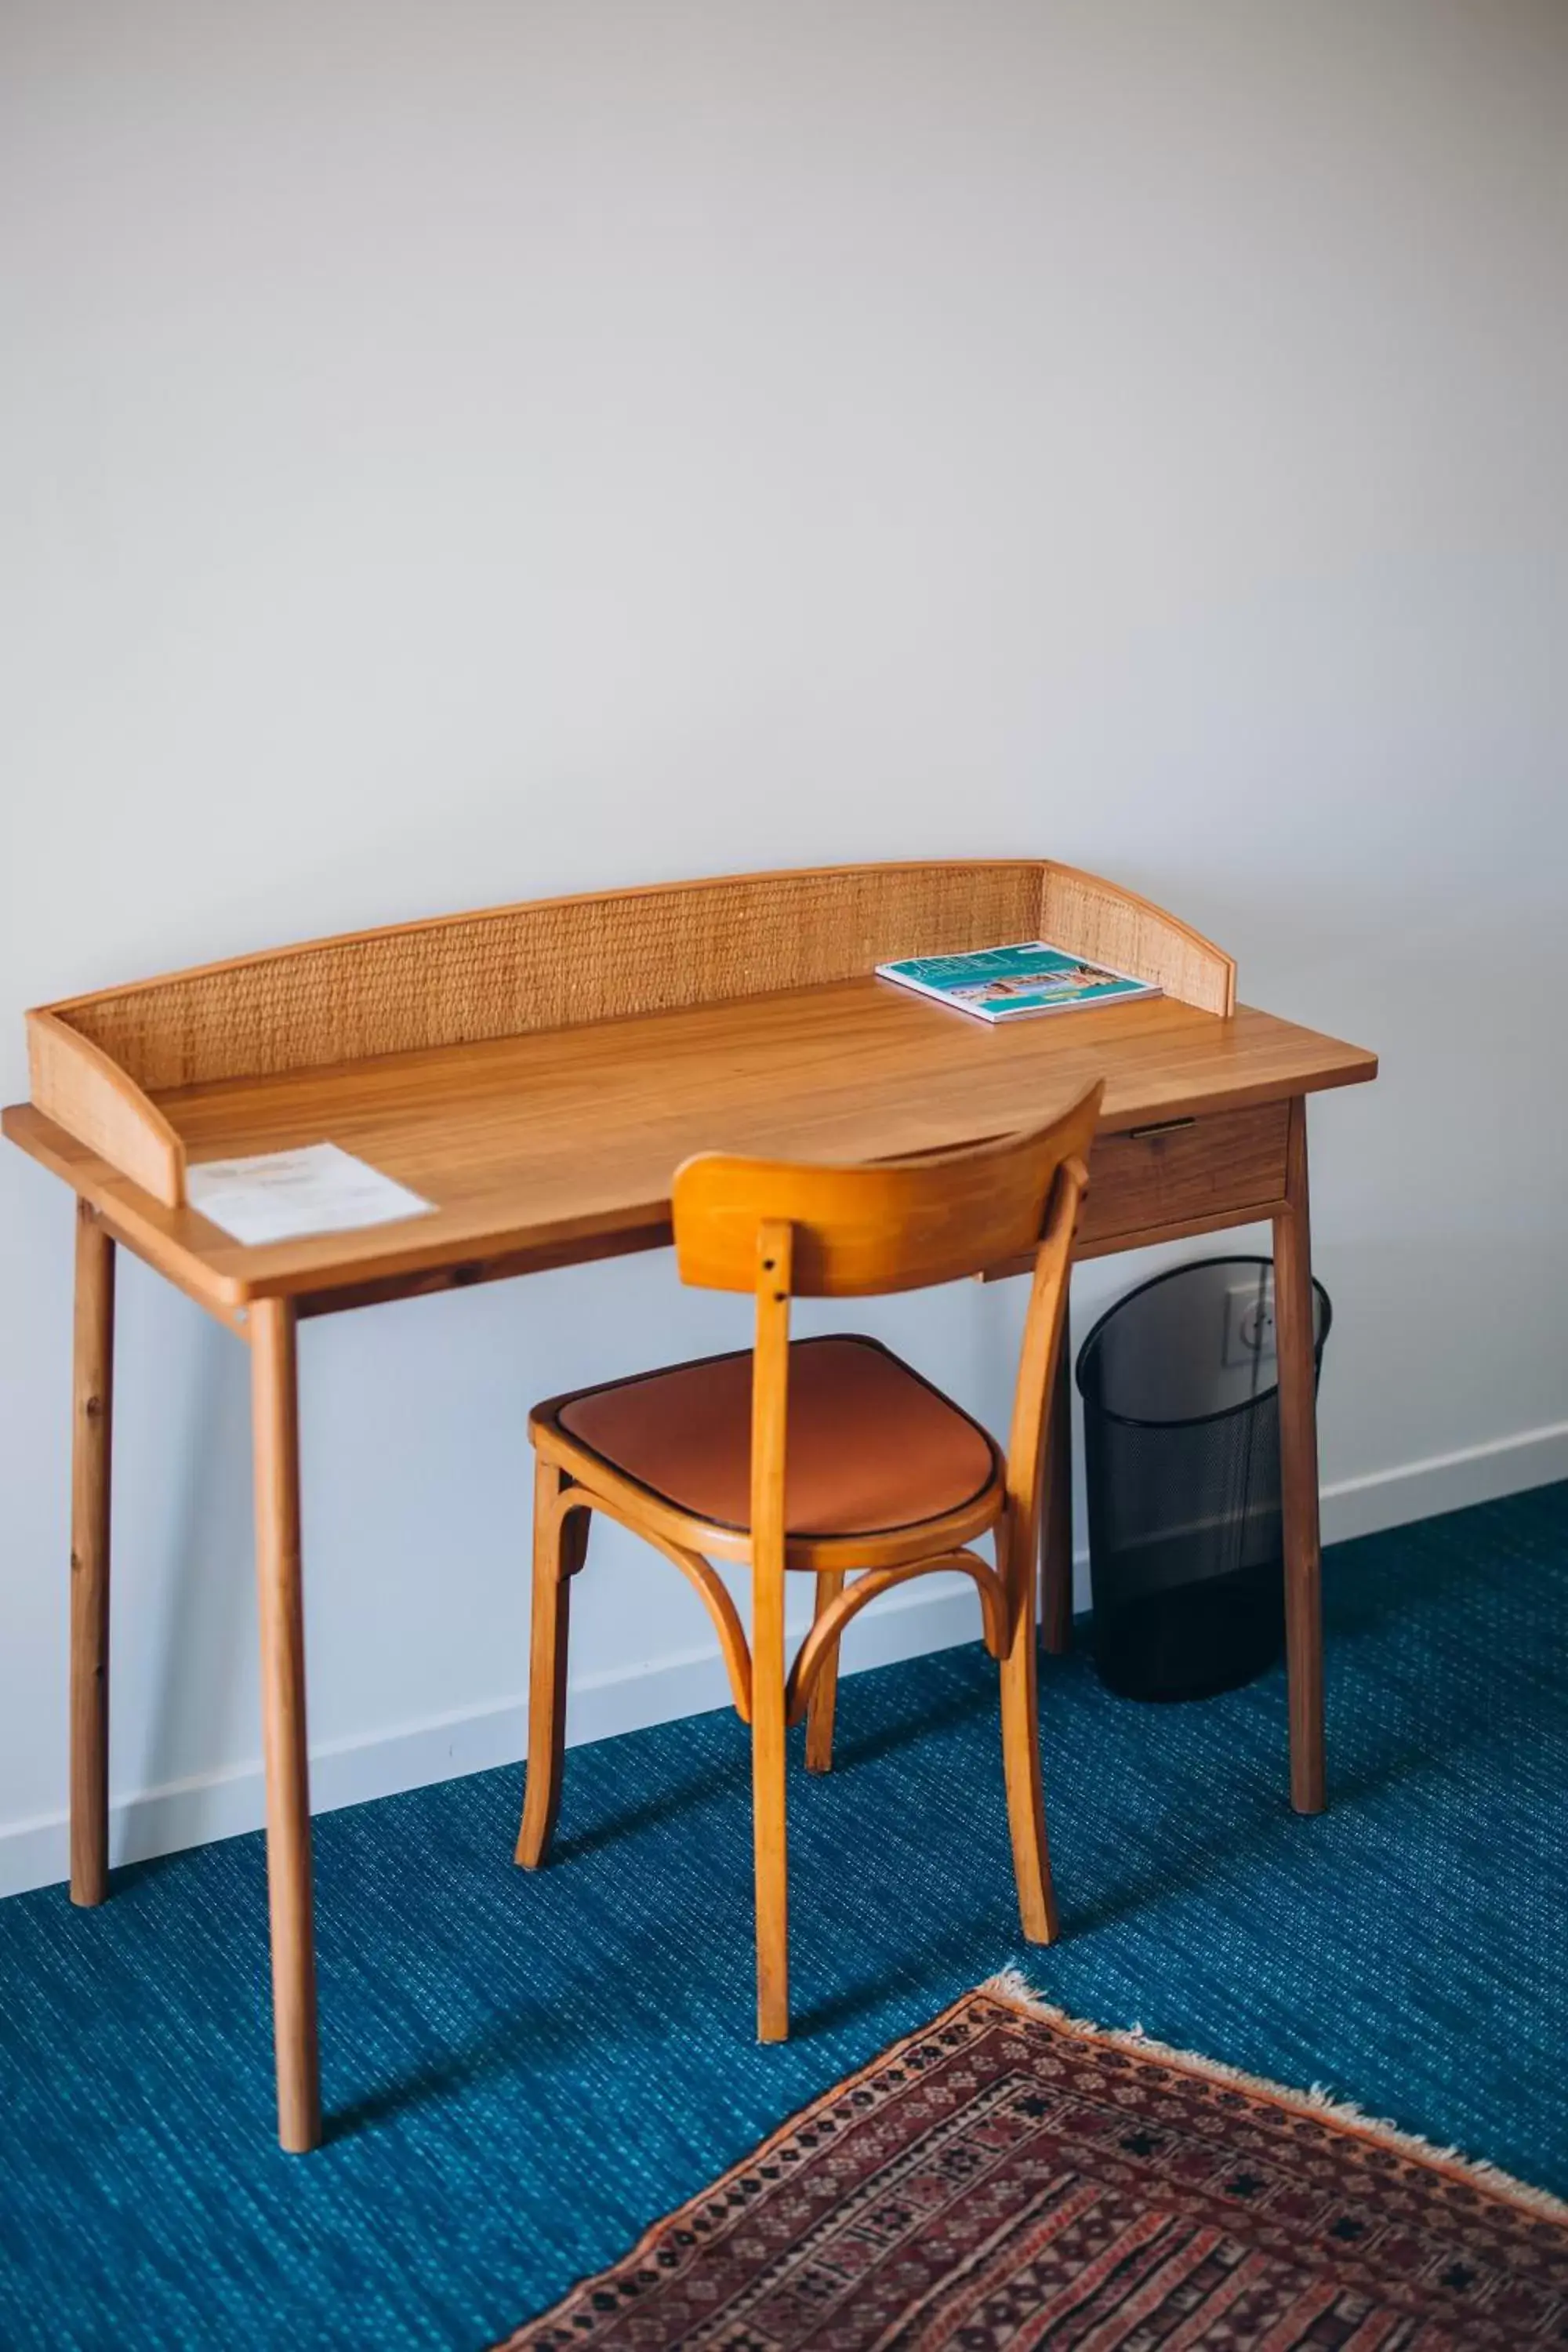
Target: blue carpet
{"points": [[523, 2072]]}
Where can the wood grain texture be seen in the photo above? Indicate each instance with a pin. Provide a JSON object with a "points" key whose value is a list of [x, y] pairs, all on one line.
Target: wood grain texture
{"points": [[556, 963], [1232, 1161], [772, 1246], [80, 1086], [866, 1231], [1176, 1176], [1296, 1339], [279, 1591], [565, 1143], [91, 1454]]}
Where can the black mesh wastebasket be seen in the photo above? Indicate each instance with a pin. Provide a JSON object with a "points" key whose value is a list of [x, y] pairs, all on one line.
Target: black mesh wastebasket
{"points": [[1181, 1426]]}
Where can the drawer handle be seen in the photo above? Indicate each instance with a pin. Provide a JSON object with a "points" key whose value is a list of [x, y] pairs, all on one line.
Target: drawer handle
{"points": [[1161, 1126]]}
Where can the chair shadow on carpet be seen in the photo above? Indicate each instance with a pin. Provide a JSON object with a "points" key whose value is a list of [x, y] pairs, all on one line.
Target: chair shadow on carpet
{"points": [[653, 1813], [1254, 1823], [1255, 1818], [510, 2046], [728, 1777], [1353, 1615]]}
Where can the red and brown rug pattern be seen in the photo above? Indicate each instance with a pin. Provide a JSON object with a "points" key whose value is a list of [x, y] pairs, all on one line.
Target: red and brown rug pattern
{"points": [[1005, 2178]]}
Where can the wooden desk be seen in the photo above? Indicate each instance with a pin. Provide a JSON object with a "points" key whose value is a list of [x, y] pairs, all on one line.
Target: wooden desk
{"points": [[539, 1073]]}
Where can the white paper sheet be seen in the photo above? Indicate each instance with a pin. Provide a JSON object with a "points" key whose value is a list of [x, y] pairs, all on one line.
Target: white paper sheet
{"points": [[280, 1196]]}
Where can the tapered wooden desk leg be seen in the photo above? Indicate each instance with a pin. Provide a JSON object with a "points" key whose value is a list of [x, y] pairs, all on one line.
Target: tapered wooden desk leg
{"points": [[274, 1391], [1056, 1517], [1295, 1327], [92, 1447]]}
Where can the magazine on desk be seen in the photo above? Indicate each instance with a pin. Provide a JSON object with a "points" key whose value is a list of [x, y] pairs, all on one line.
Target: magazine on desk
{"points": [[1002, 984]]}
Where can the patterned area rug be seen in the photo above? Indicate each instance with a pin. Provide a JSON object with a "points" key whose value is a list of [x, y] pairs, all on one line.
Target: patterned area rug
{"points": [[1006, 2178]]}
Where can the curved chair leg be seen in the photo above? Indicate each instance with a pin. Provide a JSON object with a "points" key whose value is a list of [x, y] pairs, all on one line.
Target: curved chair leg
{"points": [[824, 1692], [560, 1547], [1021, 1750]]}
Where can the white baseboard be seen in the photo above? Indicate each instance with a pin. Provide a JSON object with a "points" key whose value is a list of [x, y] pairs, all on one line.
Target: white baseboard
{"points": [[1445, 1482], [346, 1773], [443, 1748]]}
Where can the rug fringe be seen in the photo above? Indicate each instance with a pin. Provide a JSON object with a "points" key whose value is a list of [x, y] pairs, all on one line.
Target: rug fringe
{"points": [[1011, 1986]]}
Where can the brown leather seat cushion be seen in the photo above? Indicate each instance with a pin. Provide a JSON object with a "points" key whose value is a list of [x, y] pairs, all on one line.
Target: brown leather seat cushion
{"points": [[869, 1444]]}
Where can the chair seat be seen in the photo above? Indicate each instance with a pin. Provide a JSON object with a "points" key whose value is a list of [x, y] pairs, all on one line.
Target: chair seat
{"points": [[871, 1446]]}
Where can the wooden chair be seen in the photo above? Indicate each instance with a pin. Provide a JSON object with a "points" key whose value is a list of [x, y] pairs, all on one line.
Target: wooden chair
{"points": [[829, 1455]]}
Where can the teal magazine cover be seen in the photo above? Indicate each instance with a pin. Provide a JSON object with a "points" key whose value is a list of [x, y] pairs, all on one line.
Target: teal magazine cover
{"points": [[1001, 984]]}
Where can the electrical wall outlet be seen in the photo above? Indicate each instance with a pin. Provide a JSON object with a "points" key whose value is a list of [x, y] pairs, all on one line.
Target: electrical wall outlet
{"points": [[1250, 1335]]}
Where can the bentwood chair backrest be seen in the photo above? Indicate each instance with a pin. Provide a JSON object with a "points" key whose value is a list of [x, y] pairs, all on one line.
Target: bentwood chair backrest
{"points": [[785, 1228]]}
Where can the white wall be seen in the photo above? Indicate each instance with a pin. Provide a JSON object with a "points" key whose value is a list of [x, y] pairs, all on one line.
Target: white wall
{"points": [[454, 452]]}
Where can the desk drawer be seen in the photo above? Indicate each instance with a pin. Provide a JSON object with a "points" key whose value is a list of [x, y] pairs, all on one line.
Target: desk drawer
{"points": [[1226, 1168]]}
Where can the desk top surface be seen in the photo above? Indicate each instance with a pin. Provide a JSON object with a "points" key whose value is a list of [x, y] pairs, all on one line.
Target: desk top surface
{"points": [[563, 1142]]}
